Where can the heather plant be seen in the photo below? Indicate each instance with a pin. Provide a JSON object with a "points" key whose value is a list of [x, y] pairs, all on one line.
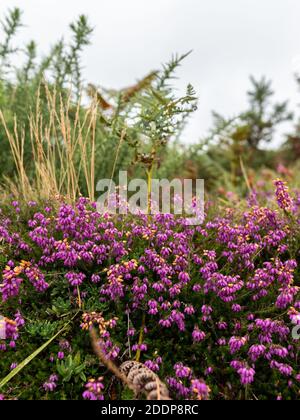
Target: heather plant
{"points": [[219, 301]]}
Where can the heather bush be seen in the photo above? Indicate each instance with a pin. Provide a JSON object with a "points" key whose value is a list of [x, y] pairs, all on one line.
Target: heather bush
{"points": [[210, 309]]}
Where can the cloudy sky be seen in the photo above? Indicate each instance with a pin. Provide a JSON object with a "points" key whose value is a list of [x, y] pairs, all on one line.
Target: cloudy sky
{"points": [[230, 40]]}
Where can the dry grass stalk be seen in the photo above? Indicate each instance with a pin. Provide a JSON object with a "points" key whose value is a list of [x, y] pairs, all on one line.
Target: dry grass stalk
{"points": [[63, 150], [106, 362]]}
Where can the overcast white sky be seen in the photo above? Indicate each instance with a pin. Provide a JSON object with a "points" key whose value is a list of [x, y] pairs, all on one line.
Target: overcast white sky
{"points": [[231, 39]]}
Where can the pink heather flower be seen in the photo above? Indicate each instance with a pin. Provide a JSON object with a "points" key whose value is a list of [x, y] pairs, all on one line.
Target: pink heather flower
{"points": [[286, 297], [209, 371], [131, 332], [278, 351], [222, 342], [94, 390], [65, 345], [95, 278], [222, 326], [256, 351], [19, 320], [237, 365], [247, 375], [140, 347], [75, 279], [184, 277], [236, 308], [178, 387], [113, 353], [153, 307], [236, 343], [51, 384], [154, 365], [60, 355], [284, 200], [294, 316], [200, 389], [206, 310], [284, 369], [143, 347], [198, 335], [182, 371], [189, 310], [2, 398], [32, 203]]}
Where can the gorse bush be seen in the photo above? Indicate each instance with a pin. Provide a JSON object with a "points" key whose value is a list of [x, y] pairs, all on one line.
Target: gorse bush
{"points": [[210, 309]]}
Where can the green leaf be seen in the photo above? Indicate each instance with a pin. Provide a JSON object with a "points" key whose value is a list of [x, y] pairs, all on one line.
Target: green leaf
{"points": [[29, 359]]}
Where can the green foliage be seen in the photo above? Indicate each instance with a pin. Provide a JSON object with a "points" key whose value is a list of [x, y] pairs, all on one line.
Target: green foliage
{"points": [[10, 25], [60, 306], [127, 395], [19, 85], [44, 329], [160, 115], [258, 123], [261, 118], [71, 368]]}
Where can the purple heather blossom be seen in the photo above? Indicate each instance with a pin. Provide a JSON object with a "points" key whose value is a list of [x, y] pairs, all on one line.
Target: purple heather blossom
{"points": [[206, 310], [256, 351], [247, 375], [182, 371], [209, 371], [236, 343], [75, 279], [94, 390], [131, 332], [198, 335], [95, 278], [283, 368], [179, 388], [200, 389], [51, 384], [154, 365], [65, 345], [232, 276], [284, 199], [236, 308]]}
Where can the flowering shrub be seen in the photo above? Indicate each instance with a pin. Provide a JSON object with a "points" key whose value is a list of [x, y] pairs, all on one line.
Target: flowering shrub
{"points": [[210, 309]]}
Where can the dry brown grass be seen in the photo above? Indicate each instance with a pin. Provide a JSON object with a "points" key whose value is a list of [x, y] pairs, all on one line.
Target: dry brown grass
{"points": [[63, 150]]}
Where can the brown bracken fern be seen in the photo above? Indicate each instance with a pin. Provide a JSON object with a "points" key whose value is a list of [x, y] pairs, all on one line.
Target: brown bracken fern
{"points": [[136, 376]]}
